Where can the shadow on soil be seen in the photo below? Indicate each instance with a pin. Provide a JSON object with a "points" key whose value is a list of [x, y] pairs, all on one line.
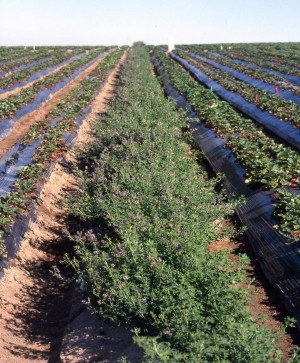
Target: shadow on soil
{"points": [[53, 315]]}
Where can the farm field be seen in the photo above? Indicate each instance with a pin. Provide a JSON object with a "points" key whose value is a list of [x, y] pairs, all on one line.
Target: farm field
{"points": [[196, 151]]}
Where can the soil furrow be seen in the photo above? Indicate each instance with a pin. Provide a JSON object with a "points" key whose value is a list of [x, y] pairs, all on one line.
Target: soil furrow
{"points": [[42, 318]]}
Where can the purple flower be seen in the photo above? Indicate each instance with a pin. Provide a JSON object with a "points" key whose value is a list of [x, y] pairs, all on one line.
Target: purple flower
{"points": [[121, 251], [158, 260], [144, 300], [166, 332]]}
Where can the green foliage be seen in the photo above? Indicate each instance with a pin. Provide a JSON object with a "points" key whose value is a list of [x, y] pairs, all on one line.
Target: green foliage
{"points": [[10, 105], [256, 73], [53, 145], [281, 108], [266, 161], [148, 212], [288, 212]]}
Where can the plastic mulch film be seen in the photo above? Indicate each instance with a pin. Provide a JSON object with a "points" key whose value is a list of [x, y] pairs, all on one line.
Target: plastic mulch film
{"points": [[41, 73], [263, 86], [283, 129], [7, 124], [10, 167], [25, 66], [14, 235], [288, 77], [275, 253], [12, 239]]}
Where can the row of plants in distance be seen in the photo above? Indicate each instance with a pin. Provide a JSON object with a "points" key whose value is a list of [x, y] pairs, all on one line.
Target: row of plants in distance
{"points": [[279, 107], [24, 74], [11, 104], [53, 144], [8, 54], [147, 212], [281, 53], [267, 162], [254, 73], [280, 58], [264, 62], [14, 61]]}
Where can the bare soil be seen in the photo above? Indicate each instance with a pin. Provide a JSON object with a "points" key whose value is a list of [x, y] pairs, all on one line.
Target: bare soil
{"points": [[263, 299], [42, 318], [22, 125]]}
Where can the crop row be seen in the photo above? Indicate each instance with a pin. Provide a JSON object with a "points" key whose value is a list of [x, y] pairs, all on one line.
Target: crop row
{"points": [[12, 103], [281, 53], [283, 109], [52, 141], [265, 63], [294, 79], [15, 62], [11, 58], [148, 215], [253, 73], [24, 74], [9, 53], [275, 59], [266, 161]]}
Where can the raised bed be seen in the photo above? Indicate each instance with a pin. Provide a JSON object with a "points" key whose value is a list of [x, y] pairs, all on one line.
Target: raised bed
{"points": [[276, 255]]}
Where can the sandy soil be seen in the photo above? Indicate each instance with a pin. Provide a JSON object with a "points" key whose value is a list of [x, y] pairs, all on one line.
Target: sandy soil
{"points": [[42, 318], [21, 126], [263, 299]]}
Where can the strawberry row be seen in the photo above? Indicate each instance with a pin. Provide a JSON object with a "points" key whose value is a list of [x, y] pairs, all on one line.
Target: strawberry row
{"points": [[26, 74], [46, 141], [273, 103], [266, 161], [10, 105], [272, 79]]}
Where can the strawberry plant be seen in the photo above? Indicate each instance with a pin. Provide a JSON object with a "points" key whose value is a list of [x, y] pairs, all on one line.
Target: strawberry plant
{"points": [[266, 161], [279, 107]]}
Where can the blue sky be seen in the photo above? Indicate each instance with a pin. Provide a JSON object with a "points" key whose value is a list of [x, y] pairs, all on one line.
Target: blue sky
{"points": [[106, 22]]}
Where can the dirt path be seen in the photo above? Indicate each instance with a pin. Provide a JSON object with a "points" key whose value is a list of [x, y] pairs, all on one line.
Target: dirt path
{"points": [[42, 318], [22, 125]]}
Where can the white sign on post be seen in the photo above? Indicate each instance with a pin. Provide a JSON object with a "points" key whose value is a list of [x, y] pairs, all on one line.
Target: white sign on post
{"points": [[171, 45]]}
